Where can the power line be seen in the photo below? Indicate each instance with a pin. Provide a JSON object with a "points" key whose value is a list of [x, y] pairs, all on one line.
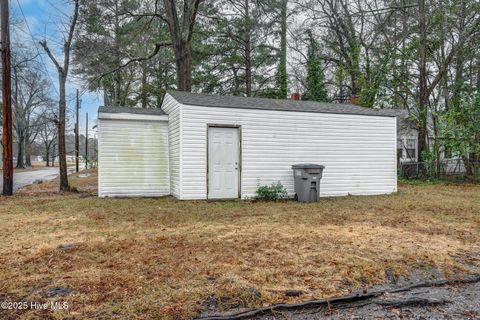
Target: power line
{"points": [[38, 51], [56, 8]]}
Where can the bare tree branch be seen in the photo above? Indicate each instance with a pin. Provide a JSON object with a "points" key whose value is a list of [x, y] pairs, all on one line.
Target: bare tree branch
{"points": [[158, 46], [50, 54]]}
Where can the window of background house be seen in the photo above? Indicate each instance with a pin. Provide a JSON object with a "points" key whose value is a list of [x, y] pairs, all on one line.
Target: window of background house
{"points": [[399, 148], [410, 148]]}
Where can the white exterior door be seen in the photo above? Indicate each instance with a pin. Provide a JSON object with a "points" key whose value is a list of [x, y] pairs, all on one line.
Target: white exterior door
{"points": [[223, 162]]}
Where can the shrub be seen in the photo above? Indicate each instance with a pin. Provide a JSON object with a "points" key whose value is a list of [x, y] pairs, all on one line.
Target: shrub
{"points": [[275, 191]]}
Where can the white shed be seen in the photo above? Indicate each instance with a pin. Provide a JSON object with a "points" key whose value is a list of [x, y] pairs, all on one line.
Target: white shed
{"points": [[223, 147]]}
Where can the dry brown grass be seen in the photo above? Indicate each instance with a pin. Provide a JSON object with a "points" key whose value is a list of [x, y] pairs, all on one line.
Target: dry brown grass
{"points": [[160, 258]]}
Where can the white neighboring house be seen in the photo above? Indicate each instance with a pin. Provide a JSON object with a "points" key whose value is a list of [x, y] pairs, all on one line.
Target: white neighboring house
{"points": [[407, 136], [213, 147], [407, 144]]}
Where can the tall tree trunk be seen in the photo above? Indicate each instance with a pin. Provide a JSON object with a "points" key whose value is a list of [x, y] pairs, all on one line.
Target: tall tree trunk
{"points": [[20, 152], [183, 59], [62, 78], [282, 70], [117, 83], [248, 51], [62, 152], [423, 89], [47, 155], [181, 36], [355, 67], [405, 71], [28, 154], [144, 93], [353, 82], [53, 154], [248, 70], [459, 62], [107, 94], [183, 62], [28, 149]]}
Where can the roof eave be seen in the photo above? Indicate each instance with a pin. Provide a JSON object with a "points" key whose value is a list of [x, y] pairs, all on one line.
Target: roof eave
{"points": [[290, 110], [131, 116]]}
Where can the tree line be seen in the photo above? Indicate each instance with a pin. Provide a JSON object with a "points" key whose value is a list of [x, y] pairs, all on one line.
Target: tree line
{"points": [[418, 55]]}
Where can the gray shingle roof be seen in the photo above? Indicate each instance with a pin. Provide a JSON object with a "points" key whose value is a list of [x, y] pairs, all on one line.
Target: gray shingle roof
{"points": [[196, 99], [151, 111]]}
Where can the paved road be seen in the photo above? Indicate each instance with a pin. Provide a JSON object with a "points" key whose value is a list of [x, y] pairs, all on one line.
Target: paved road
{"points": [[22, 179]]}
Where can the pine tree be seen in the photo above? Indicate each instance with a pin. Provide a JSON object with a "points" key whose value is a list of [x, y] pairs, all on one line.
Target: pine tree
{"points": [[315, 84], [282, 77]]}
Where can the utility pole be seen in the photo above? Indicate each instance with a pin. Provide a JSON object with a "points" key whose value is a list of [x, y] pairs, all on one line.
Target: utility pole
{"points": [[6, 103], [77, 146], [86, 144]]}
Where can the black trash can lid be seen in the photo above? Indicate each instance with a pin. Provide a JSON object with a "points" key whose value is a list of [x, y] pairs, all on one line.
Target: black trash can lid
{"points": [[307, 166]]}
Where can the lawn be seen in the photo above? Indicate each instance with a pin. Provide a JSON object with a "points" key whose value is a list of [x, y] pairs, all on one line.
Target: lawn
{"points": [[162, 258]]}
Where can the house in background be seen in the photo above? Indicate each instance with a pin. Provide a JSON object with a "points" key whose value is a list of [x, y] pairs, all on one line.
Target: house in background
{"points": [[216, 147], [407, 149], [407, 136]]}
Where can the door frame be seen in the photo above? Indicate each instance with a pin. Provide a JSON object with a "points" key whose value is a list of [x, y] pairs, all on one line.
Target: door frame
{"points": [[232, 126]]}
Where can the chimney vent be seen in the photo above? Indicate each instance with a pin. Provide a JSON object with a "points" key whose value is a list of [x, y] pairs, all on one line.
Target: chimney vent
{"points": [[354, 99]]}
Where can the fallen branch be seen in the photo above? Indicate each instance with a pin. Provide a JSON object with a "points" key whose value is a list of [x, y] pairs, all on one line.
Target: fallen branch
{"points": [[349, 299], [284, 306]]}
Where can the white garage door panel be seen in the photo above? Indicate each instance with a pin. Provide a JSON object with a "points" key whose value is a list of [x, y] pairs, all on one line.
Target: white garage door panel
{"points": [[133, 158]]}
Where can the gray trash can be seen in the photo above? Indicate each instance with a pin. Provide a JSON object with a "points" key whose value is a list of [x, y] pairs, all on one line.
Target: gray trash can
{"points": [[307, 181]]}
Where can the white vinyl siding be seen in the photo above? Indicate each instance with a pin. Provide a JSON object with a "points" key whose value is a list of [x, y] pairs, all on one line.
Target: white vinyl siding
{"points": [[133, 158], [359, 152], [172, 108]]}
